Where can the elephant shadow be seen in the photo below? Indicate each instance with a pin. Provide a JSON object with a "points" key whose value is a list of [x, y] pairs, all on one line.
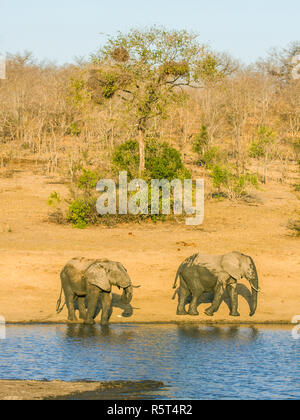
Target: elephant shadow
{"points": [[208, 297], [115, 303]]}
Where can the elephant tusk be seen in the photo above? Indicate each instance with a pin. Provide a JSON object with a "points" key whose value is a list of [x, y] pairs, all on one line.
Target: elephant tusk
{"points": [[136, 287], [257, 290]]}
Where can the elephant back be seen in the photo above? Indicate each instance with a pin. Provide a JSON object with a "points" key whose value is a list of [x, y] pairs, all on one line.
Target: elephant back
{"points": [[80, 264], [74, 271], [211, 262]]}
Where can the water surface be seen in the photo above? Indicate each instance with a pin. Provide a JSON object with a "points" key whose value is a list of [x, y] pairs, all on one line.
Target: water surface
{"points": [[194, 362]]}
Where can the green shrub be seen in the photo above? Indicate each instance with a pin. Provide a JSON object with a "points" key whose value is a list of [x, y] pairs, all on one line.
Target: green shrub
{"points": [[74, 130], [207, 156], [232, 185], [210, 157], [164, 162], [126, 158], [57, 215], [54, 199], [161, 160], [220, 176], [201, 141], [260, 145], [82, 212], [88, 179]]}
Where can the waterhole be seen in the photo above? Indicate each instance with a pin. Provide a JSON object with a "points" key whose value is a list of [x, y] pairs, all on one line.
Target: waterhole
{"points": [[194, 362]]}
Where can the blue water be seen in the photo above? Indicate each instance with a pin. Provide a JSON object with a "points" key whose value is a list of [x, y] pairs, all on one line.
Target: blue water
{"points": [[193, 362]]}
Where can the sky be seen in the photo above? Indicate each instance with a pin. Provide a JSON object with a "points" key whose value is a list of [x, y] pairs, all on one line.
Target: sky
{"points": [[61, 30]]}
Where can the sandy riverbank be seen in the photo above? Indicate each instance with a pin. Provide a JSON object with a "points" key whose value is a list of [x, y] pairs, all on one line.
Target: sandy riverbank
{"points": [[41, 390], [33, 251]]}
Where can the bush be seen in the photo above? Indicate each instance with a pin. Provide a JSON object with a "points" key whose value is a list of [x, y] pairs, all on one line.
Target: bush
{"points": [[82, 212], [260, 146], [88, 180], [74, 130], [54, 199], [164, 162], [233, 186], [126, 158], [210, 157], [201, 141], [220, 176], [57, 215], [161, 160], [207, 156]]}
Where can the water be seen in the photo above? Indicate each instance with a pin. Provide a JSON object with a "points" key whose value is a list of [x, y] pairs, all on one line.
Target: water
{"points": [[193, 362]]}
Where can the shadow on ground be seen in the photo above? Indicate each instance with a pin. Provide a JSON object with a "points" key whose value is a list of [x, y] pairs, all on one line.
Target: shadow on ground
{"points": [[242, 290], [116, 303], [122, 390]]}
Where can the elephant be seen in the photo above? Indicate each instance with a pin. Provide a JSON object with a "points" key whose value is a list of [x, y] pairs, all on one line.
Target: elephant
{"points": [[84, 281], [202, 273]]}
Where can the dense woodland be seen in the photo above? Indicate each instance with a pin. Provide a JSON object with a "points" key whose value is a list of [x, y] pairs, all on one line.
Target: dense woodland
{"points": [[155, 93]]}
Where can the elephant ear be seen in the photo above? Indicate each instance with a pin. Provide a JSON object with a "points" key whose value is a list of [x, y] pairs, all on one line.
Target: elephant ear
{"points": [[231, 264], [122, 277], [96, 275]]}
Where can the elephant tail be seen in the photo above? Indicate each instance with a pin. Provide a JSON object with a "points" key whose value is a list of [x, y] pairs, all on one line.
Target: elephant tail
{"points": [[59, 308], [175, 294], [189, 261], [176, 278]]}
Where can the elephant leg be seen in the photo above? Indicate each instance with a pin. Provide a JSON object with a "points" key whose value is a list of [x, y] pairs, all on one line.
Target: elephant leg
{"points": [[92, 298], [233, 295], [106, 308], [219, 291], [81, 308], [183, 294], [194, 303], [69, 297]]}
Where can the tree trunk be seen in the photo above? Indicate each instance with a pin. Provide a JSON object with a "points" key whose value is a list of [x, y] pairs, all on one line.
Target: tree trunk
{"points": [[141, 152]]}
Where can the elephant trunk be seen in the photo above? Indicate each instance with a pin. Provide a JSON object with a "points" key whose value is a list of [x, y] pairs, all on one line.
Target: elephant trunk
{"points": [[254, 302], [253, 280], [127, 295]]}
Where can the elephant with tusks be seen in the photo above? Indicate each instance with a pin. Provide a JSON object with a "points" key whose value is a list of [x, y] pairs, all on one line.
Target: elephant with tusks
{"points": [[85, 281], [202, 273]]}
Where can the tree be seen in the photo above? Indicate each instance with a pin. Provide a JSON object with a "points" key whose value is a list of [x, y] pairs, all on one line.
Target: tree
{"points": [[261, 147], [149, 70], [281, 63]]}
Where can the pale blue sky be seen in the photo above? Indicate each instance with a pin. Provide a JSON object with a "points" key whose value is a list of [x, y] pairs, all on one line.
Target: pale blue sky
{"points": [[59, 30]]}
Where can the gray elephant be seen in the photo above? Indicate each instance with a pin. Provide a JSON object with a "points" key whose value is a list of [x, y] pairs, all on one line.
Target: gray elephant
{"points": [[206, 273], [85, 281]]}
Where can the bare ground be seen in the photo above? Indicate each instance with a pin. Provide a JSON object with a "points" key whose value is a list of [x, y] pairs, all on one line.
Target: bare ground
{"points": [[41, 390], [33, 251]]}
